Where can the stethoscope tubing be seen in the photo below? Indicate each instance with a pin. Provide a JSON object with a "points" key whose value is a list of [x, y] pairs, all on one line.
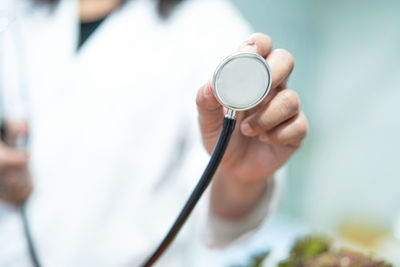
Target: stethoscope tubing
{"points": [[29, 240], [216, 157]]}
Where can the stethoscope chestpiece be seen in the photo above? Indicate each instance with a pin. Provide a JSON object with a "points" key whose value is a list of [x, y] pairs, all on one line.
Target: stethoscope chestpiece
{"points": [[242, 81]]}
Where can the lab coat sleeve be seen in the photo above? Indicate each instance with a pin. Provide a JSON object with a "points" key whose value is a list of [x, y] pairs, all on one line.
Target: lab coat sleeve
{"points": [[219, 232]]}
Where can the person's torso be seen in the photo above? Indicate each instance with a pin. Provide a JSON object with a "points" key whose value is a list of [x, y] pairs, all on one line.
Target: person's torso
{"points": [[110, 127]]}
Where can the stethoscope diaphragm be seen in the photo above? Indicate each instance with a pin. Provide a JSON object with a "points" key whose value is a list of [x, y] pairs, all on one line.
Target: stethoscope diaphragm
{"points": [[242, 81]]}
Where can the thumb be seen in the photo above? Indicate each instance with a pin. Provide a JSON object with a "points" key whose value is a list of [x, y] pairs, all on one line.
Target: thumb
{"points": [[211, 112]]}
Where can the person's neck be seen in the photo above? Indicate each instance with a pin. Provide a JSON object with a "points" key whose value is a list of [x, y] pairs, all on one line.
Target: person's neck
{"points": [[92, 10]]}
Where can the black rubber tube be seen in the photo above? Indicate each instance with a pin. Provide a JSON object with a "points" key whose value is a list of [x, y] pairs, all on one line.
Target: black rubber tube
{"points": [[227, 129], [31, 247]]}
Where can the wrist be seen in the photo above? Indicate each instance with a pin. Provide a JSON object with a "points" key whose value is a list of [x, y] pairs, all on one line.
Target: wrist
{"points": [[232, 197], [241, 185]]}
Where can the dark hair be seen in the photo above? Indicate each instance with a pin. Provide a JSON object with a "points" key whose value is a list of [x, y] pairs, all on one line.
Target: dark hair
{"points": [[164, 7]]}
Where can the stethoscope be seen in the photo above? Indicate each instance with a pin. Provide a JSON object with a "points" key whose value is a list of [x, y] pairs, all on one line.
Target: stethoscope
{"points": [[240, 82]]}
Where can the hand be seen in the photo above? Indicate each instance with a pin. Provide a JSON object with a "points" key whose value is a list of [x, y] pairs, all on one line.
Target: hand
{"points": [[265, 136], [15, 182]]}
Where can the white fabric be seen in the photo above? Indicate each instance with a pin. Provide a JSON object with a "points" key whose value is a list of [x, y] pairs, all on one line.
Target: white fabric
{"points": [[221, 231], [114, 144]]}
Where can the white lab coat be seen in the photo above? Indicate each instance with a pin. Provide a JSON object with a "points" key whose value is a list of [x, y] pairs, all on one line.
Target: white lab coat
{"points": [[114, 145]]}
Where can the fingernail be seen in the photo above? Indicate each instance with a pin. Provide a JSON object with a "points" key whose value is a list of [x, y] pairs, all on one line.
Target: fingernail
{"points": [[246, 129], [249, 48], [249, 45]]}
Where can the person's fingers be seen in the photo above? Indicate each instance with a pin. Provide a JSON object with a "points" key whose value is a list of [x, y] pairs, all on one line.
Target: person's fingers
{"points": [[16, 186], [257, 43], [16, 127], [14, 130], [281, 63], [285, 105], [12, 158], [210, 111], [291, 132]]}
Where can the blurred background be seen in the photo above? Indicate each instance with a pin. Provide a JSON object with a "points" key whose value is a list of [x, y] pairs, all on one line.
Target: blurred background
{"points": [[345, 181]]}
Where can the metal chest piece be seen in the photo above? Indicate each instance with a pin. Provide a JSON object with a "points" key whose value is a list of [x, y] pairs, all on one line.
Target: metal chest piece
{"points": [[242, 81]]}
